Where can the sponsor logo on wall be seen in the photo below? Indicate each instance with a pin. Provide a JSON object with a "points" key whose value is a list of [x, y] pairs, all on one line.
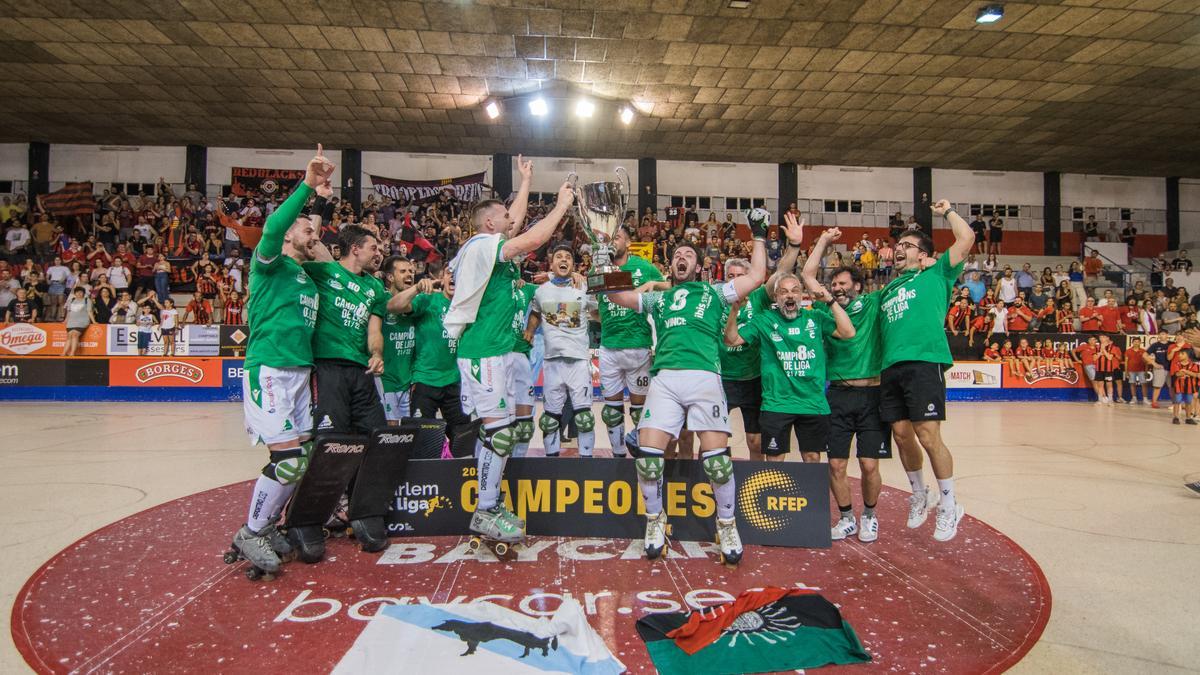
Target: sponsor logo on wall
{"points": [[22, 338], [974, 376], [148, 372]]}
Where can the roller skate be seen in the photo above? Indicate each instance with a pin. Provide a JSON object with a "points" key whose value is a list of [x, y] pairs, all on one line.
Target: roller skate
{"points": [[339, 524], [256, 549], [309, 542], [729, 541], [279, 542], [494, 529], [371, 534], [656, 535]]}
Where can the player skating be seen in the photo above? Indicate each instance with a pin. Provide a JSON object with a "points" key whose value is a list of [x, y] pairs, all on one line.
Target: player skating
{"points": [[686, 383], [564, 310], [281, 313], [480, 317], [915, 357]]}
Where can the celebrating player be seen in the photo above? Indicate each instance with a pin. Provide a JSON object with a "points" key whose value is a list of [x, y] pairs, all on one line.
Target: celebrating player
{"points": [[686, 383], [480, 317], [915, 356], [564, 309], [282, 313], [399, 343]]}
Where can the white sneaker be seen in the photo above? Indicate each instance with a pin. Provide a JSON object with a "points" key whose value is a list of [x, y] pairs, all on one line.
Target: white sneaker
{"points": [[918, 509], [868, 529], [843, 528], [947, 523], [1109, 401]]}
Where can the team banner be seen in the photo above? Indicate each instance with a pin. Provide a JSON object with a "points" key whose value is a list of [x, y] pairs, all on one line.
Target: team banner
{"points": [[778, 503], [465, 188], [49, 339], [247, 182]]}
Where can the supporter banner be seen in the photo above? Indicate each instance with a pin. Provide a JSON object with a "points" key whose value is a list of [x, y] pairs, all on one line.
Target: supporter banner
{"points": [[1048, 376], [962, 352], [779, 504], [48, 339], [642, 249], [190, 340], [73, 199], [464, 188], [232, 340], [266, 182], [973, 376], [53, 372], [144, 372]]}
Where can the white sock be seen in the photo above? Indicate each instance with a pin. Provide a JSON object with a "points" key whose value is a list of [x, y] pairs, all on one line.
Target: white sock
{"points": [[587, 442], [266, 501], [491, 472], [616, 434], [553, 443], [917, 480], [946, 487]]}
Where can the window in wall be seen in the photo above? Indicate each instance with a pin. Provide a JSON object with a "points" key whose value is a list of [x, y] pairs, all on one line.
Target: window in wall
{"points": [[758, 202], [731, 203], [977, 209], [830, 206], [6, 186], [744, 203], [855, 207], [705, 202], [676, 201], [691, 202], [1014, 211], [843, 206], [1077, 213], [1126, 214]]}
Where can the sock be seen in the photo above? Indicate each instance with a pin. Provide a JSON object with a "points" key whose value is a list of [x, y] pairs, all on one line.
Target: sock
{"points": [[868, 510], [947, 489], [846, 512], [616, 434], [491, 471], [266, 501], [652, 490], [587, 442], [726, 496], [917, 480]]}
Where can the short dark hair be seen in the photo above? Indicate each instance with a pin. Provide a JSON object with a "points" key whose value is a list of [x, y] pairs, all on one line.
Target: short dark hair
{"points": [[482, 206], [562, 247], [690, 245], [351, 236], [924, 241], [856, 275], [390, 263]]}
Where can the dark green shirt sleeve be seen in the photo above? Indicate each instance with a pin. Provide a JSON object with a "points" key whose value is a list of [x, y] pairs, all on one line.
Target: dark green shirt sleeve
{"points": [[419, 305], [749, 331], [280, 220], [379, 306]]}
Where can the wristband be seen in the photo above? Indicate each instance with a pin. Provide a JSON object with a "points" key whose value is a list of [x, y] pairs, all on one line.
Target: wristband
{"points": [[948, 212]]}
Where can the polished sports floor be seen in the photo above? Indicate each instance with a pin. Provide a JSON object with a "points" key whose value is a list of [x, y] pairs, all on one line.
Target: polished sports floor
{"points": [[1094, 493]]}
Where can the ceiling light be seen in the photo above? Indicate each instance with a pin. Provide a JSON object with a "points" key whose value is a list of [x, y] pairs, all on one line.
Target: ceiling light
{"points": [[585, 108], [626, 114], [990, 14], [493, 110], [739, 4], [538, 107]]}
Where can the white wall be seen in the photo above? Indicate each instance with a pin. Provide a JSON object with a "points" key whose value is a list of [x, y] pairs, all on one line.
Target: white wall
{"points": [[123, 163], [1009, 188], [855, 182], [550, 172], [419, 166], [222, 160], [1189, 212], [718, 179], [1119, 191], [14, 161]]}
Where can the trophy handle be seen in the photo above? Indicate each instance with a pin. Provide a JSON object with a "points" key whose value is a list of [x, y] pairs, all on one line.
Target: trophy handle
{"points": [[580, 212], [620, 171]]}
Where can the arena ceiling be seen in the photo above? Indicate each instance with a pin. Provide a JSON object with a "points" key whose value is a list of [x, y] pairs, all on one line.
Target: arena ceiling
{"points": [[1093, 86]]}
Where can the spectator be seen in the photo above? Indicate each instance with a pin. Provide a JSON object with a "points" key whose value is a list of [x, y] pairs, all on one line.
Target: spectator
{"points": [[56, 280], [1093, 266], [168, 319], [1128, 236], [1110, 315], [145, 328], [980, 229], [8, 288], [1089, 317], [1047, 279], [1181, 262], [197, 311], [1131, 317], [1185, 382], [234, 309], [1064, 317], [162, 278], [1006, 287], [125, 311], [1045, 318], [1091, 230], [1171, 321], [1079, 295], [886, 256], [959, 317], [119, 275], [995, 235], [1113, 235], [78, 316], [1019, 316], [1025, 280], [16, 240], [145, 268], [103, 305], [1146, 318], [23, 308], [1038, 297]]}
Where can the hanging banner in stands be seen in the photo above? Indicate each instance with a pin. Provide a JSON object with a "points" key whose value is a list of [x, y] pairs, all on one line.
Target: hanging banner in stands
{"points": [[144, 372], [233, 340], [247, 182], [463, 188], [48, 339], [973, 376], [642, 249], [779, 504], [1046, 375], [190, 340]]}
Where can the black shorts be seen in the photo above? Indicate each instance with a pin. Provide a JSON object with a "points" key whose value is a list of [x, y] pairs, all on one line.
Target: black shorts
{"points": [[747, 395], [167, 332], [996, 236], [913, 391], [812, 432], [1107, 375], [428, 401], [345, 399], [855, 412]]}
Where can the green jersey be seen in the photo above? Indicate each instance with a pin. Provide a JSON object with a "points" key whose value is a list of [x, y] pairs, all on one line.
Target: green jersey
{"points": [[399, 342], [491, 334], [913, 319], [522, 298], [282, 310], [742, 362], [793, 359], [348, 301], [436, 364], [860, 357], [687, 319], [621, 327]]}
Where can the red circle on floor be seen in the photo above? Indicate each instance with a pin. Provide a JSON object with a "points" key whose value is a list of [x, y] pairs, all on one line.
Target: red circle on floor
{"points": [[150, 593]]}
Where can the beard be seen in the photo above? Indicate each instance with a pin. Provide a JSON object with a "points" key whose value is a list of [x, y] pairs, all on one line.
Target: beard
{"points": [[790, 310]]}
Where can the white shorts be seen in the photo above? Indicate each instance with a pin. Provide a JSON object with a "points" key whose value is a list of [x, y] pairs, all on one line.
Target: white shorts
{"points": [[277, 403], [521, 373], [396, 404], [563, 377], [622, 369], [486, 387], [694, 395]]}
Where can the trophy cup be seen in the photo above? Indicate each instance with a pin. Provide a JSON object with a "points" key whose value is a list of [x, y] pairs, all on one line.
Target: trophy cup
{"points": [[601, 210]]}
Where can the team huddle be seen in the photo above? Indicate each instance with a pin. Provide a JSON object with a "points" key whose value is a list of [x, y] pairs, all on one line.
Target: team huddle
{"points": [[335, 350]]}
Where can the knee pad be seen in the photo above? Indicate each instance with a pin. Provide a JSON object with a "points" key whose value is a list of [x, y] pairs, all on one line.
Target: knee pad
{"points": [[635, 412], [524, 429], [649, 467], [549, 423], [585, 420], [719, 467], [500, 440], [287, 466], [612, 416]]}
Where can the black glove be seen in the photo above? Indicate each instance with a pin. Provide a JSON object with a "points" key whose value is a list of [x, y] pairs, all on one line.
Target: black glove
{"points": [[759, 220]]}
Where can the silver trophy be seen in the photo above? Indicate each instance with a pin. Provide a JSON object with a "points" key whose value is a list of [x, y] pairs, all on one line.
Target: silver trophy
{"points": [[601, 210]]}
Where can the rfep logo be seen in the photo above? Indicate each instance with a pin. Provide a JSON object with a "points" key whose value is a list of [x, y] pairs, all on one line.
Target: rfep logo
{"points": [[172, 369], [22, 338], [768, 499]]}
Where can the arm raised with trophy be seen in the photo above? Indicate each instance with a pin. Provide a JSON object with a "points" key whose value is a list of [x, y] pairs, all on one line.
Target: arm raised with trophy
{"points": [[541, 231]]}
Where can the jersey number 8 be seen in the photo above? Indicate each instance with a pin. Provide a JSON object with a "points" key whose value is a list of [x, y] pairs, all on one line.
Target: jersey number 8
{"points": [[678, 300]]}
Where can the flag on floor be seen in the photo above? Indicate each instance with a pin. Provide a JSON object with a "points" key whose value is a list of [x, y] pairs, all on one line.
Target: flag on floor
{"points": [[760, 631], [74, 199], [478, 638]]}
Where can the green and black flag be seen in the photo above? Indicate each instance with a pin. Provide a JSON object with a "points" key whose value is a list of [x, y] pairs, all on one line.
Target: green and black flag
{"points": [[761, 631]]}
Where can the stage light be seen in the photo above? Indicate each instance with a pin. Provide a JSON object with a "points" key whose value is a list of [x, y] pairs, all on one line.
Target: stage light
{"points": [[585, 108], [990, 14], [493, 110], [626, 114], [538, 107]]}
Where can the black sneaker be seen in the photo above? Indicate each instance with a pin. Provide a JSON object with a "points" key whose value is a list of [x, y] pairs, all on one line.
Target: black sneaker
{"points": [[1175, 420], [1191, 420]]}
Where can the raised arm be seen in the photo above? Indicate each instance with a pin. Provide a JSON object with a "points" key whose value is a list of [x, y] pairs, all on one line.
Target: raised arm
{"points": [[794, 230], [844, 328], [811, 266], [401, 303], [520, 203], [533, 238], [732, 337], [745, 284], [964, 236], [317, 173]]}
